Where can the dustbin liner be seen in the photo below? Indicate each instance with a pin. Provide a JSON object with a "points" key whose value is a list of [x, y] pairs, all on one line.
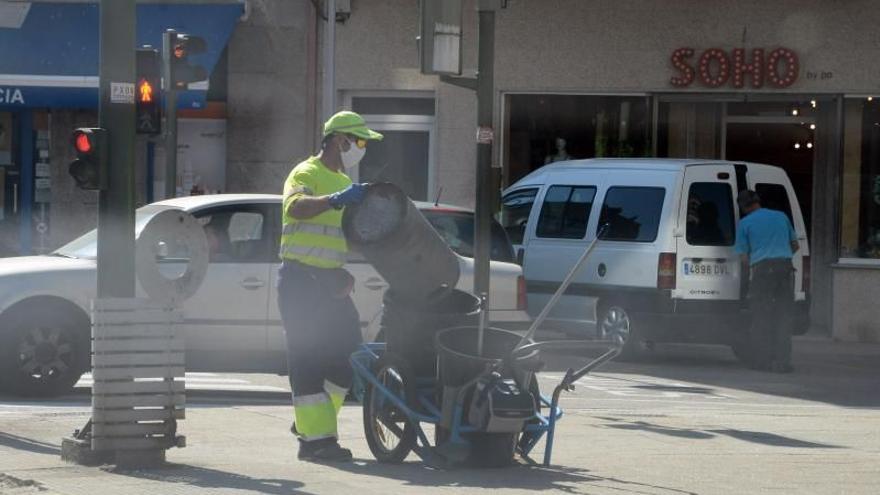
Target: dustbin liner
{"points": [[409, 328], [390, 232], [459, 363]]}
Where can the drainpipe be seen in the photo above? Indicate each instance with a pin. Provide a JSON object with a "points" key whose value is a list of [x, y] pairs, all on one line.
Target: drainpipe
{"points": [[311, 141], [329, 97]]}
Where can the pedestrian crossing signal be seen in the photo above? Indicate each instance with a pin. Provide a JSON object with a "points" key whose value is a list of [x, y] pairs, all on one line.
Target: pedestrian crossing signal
{"points": [[145, 91], [147, 101]]}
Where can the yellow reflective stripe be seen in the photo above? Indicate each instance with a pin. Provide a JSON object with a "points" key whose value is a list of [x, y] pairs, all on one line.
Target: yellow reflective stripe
{"points": [[315, 416], [310, 400], [312, 228]]}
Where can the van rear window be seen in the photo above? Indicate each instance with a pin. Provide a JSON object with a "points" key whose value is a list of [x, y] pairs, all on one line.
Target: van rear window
{"points": [[565, 212], [632, 213], [710, 217], [775, 197]]}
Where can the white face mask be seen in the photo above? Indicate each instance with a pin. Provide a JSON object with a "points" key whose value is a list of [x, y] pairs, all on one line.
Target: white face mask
{"points": [[353, 156]]}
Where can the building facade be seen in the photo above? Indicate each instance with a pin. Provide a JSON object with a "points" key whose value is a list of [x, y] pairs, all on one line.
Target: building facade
{"points": [[790, 83]]}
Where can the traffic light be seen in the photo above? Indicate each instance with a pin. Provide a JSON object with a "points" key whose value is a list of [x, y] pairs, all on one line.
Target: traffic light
{"points": [[90, 167], [176, 49], [147, 101]]}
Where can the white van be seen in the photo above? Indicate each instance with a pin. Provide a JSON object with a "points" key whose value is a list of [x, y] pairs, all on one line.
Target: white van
{"points": [[665, 270]]}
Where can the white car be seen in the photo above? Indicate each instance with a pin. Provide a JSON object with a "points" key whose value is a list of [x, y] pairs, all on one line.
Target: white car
{"points": [[232, 323]]}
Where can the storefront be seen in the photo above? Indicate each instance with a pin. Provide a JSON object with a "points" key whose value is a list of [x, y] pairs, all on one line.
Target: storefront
{"points": [[48, 86], [784, 84]]}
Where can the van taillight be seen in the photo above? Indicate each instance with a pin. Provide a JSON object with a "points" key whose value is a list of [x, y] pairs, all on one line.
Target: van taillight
{"points": [[522, 297], [805, 278], [666, 271]]}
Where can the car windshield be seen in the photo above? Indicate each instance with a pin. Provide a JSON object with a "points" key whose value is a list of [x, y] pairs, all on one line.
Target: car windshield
{"points": [[86, 245], [457, 229]]}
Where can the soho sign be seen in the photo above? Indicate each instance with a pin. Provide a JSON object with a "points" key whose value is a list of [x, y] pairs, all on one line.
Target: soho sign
{"points": [[715, 68]]}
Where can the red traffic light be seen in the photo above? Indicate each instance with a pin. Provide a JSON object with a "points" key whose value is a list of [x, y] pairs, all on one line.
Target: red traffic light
{"points": [[82, 142]]}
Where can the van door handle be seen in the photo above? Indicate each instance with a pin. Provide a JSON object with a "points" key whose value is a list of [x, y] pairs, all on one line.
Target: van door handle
{"points": [[252, 283], [375, 283]]}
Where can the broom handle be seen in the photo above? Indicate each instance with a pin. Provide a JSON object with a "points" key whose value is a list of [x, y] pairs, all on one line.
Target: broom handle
{"points": [[562, 288]]}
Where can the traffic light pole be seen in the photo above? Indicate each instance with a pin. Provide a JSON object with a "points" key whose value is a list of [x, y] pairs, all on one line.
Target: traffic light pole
{"points": [[170, 116], [170, 143], [485, 137], [116, 113]]}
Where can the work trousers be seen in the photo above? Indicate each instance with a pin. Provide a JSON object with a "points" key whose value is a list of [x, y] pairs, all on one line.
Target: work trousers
{"points": [[322, 330], [771, 300]]}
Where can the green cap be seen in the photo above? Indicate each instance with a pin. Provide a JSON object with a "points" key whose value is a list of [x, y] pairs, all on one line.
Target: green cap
{"points": [[347, 122]]}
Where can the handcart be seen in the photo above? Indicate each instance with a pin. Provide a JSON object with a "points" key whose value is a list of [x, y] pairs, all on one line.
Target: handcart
{"points": [[397, 405], [483, 403]]}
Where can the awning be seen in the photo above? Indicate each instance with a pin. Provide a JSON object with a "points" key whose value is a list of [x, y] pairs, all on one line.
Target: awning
{"points": [[49, 51]]}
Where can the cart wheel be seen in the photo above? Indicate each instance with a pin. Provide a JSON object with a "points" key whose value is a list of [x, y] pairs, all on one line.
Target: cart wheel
{"points": [[390, 433]]}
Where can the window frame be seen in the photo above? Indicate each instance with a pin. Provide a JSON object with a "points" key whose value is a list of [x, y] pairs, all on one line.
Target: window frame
{"points": [[525, 226], [266, 254], [732, 208], [608, 191], [572, 188]]}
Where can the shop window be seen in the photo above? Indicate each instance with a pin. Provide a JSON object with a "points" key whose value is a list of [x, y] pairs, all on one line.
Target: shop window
{"points": [[515, 210], [565, 212], [860, 196], [543, 129], [710, 218], [632, 213], [373, 105]]}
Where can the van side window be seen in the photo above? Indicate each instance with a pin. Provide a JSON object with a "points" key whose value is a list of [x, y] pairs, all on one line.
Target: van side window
{"points": [[515, 210], [775, 197], [710, 218], [632, 213], [565, 212]]}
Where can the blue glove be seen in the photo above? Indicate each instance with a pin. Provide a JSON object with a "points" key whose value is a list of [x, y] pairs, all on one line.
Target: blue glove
{"points": [[351, 195]]}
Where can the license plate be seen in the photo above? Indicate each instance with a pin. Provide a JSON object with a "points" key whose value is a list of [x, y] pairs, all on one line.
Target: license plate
{"points": [[705, 269]]}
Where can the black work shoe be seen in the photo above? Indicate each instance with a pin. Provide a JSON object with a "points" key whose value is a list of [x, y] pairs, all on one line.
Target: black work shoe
{"points": [[323, 452]]}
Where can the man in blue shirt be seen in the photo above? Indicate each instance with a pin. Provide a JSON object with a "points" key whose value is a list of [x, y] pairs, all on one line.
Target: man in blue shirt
{"points": [[766, 242]]}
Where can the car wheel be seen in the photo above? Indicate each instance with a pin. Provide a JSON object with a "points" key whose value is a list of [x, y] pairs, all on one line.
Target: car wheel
{"points": [[43, 351], [614, 320]]}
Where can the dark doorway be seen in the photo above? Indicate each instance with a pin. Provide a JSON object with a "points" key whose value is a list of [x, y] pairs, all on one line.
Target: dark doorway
{"points": [[786, 145]]}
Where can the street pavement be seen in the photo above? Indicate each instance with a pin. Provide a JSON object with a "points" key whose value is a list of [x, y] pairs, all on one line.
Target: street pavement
{"points": [[688, 419]]}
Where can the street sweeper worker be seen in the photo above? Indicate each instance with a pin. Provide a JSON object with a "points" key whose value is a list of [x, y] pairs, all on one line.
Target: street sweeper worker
{"points": [[320, 321]]}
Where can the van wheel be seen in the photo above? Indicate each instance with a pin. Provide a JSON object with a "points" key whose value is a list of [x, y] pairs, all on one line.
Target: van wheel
{"points": [[614, 320]]}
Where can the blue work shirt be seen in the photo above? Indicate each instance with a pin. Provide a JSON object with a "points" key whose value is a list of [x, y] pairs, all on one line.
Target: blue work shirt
{"points": [[765, 235]]}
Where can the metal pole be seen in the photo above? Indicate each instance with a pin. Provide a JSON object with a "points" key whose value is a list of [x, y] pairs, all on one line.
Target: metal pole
{"points": [[116, 113], [330, 61], [485, 106], [170, 118]]}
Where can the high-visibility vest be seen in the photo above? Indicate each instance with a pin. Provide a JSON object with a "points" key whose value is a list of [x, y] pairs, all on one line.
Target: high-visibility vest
{"points": [[316, 241]]}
